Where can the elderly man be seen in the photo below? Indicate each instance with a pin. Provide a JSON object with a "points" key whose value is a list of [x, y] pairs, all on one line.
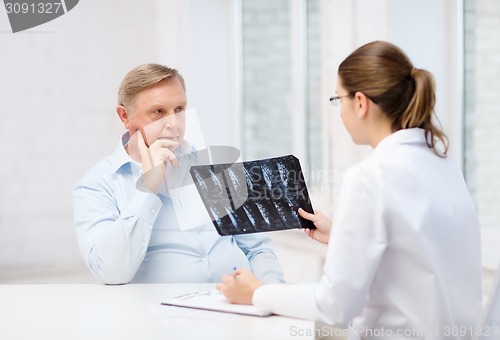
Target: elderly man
{"points": [[127, 225]]}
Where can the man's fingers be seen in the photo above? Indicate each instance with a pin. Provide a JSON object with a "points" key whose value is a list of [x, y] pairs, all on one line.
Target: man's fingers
{"points": [[220, 286], [140, 141], [172, 159], [165, 143], [144, 150], [227, 280]]}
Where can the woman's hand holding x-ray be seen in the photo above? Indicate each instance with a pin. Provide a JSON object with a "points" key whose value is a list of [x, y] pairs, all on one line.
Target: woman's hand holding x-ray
{"points": [[321, 222]]}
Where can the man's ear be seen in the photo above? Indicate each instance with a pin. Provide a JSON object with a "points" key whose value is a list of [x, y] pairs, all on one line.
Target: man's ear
{"points": [[362, 103], [123, 114]]}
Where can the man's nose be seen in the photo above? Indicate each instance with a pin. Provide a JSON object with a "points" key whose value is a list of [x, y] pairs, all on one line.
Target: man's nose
{"points": [[172, 121]]}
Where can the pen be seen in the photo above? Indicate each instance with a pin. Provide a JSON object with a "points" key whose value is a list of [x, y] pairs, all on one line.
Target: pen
{"points": [[235, 274]]}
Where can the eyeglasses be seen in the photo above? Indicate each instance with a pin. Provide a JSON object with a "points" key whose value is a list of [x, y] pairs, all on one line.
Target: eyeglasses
{"points": [[335, 101]]}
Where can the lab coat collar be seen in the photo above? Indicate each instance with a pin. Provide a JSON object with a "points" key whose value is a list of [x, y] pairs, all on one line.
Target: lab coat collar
{"points": [[403, 136]]}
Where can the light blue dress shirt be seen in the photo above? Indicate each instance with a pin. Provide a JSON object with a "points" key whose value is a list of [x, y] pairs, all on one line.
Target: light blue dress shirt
{"points": [[127, 235]]}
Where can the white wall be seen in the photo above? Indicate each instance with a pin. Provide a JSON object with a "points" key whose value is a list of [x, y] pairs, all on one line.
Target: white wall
{"points": [[58, 86], [431, 33], [347, 25], [483, 123], [213, 68]]}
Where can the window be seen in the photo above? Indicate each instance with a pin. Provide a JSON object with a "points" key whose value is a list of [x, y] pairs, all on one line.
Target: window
{"points": [[482, 118], [281, 94], [282, 106]]}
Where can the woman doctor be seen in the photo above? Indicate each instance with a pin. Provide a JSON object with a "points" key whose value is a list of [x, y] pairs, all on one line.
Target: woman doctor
{"points": [[404, 256]]}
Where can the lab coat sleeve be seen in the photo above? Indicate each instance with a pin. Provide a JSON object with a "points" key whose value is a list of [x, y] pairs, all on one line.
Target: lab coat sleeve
{"points": [[113, 242], [261, 256], [357, 244]]}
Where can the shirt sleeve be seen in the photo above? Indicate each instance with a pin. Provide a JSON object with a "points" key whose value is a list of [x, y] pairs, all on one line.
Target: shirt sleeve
{"points": [[263, 261], [113, 242], [357, 244]]}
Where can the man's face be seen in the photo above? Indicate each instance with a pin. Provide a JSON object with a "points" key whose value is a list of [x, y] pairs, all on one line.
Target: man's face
{"points": [[158, 112]]}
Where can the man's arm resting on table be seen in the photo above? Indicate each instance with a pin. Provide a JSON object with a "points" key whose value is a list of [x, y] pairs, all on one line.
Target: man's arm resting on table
{"points": [[113, 242], [260, 253]]}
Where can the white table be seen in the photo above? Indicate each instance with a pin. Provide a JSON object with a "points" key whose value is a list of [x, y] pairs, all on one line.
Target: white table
{"points": [[92, 311]]}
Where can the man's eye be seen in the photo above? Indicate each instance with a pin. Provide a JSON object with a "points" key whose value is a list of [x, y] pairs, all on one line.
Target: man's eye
{"points": [[180, 109], [159, 111]]}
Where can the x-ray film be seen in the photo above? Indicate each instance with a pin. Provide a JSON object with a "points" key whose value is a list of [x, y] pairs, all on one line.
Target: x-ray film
{"points": [[254, 196]]}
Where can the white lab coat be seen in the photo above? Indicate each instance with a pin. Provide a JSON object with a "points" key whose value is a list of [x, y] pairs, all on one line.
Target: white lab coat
{"points": [[404, 254]]}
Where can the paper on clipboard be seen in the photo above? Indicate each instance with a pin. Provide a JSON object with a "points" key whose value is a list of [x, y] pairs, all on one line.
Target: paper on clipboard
{"points": [[213, 300]]}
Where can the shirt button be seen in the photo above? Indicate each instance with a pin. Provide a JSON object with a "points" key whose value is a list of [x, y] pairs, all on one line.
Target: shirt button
{"points": [[203, 259]]}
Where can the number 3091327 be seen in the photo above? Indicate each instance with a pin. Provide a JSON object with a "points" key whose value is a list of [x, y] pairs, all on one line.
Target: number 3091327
{"points": [[40, 8]]}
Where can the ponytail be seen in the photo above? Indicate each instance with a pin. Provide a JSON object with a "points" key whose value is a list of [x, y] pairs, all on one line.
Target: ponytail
{"points": [[420, 110]]}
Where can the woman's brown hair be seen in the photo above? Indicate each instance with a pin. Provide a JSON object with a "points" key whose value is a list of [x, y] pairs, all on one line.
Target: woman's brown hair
{"points": [[385, 74]]}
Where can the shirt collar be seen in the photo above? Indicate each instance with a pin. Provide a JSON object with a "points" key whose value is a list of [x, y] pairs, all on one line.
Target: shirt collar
{"points": [[120, 157]]}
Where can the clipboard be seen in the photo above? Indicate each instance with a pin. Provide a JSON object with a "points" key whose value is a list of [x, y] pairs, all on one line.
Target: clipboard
{"points": [[212, 300], [254, 196]]}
